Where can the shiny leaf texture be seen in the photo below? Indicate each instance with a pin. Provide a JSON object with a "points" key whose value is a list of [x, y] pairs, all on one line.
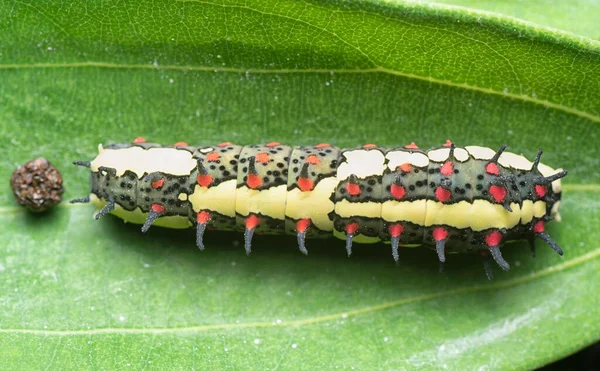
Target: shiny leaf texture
{"points": [[80, 294]]}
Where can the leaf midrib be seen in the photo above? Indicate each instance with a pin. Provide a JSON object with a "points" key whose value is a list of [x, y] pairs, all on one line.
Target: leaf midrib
{"points": [[108, 65], [580, 260]]}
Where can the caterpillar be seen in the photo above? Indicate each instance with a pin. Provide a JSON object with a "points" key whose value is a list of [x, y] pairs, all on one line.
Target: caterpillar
{"points": [[452, 199]]}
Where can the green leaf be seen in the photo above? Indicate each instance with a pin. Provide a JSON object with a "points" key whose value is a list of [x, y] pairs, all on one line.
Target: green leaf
{"points": [[82, 294], [577, 16]]}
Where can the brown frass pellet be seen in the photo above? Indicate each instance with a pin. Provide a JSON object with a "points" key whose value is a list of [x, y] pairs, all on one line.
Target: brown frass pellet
{"points": [[37, 185]]}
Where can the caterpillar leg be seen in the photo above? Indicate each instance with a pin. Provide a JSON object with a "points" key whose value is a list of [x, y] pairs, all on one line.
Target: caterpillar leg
{"points": [[301, 226], [487, 265], [251, 224], [156, 211], [202, 219]]}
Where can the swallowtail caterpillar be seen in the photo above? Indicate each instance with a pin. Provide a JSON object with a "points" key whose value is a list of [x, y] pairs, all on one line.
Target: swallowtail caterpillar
{"points": [[470, 199]]}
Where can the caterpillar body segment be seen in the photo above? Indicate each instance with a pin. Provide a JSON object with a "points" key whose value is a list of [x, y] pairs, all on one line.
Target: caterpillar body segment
{"points": [[470, 199]]}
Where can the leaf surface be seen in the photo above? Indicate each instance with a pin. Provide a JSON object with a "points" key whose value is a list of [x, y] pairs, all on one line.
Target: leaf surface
{"points": [[83, 294]]}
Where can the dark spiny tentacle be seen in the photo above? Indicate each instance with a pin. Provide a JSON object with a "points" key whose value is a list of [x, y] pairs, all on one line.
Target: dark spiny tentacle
{"points": [[110, 206], [251, 224], [551, 178], [487, 265], [82, 163], [81, 200], [497, 255], [546, 238], [156, 211], [536, 162], [439, 247], [498, 153]]}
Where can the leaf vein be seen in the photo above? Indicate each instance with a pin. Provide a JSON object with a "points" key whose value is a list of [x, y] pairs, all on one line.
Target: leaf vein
{"points": [[521, 97], [594, 254]]}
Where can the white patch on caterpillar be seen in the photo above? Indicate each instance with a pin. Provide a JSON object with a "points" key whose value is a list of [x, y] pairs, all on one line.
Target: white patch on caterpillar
{"points": [[219, 198], [206, 150], [347, 209], [397, 158], [269, 202], [314, 205], [509, 159], [441, 154], [362, 163], [480, 153], [144, 161], [182, 197]]}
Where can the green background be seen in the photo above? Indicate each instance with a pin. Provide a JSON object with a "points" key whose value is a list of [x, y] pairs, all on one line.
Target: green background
{"points": [[79, 294]]}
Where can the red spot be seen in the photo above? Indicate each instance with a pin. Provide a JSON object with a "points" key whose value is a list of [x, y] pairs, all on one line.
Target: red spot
{"points": [[353, 189], [180, 144], [492, 169], [203, 217], [254, 181], [252, 221], [139, 140], [540, 190], [204, 180], [323, 145], [159, 183], [352, 228], [405, 167], [412, 145], [442, 194], [397, 191], [539, 227], [448, 143], [493, 239], [305, 184], [369, 145], [312, 159], [447, 168], [212, 157], [224, 144], [302, 225], [498, 192], [262, 157], [158, 208], [439, 234], [396, 230], [273, 144]]}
